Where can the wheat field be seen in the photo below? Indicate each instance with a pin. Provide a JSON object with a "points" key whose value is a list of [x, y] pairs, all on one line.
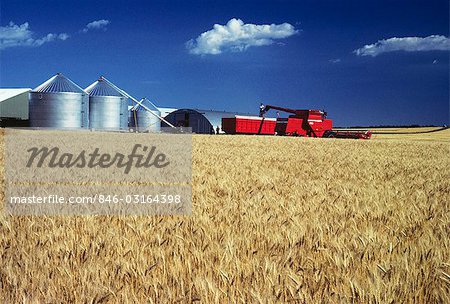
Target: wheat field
{"points": [[275, 219]]}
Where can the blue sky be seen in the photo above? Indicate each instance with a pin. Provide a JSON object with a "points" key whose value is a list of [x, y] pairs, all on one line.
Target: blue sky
{"points": [[305, 60]]}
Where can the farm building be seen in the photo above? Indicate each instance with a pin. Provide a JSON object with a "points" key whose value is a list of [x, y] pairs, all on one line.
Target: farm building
{"points": [[108, 106], [13, 105], [144, 119], [201, 121], [59, 103]]}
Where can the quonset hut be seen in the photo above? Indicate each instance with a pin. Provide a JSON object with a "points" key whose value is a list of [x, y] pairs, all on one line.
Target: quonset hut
{"points": [[108, 107], [201, 121], [58, 103]]}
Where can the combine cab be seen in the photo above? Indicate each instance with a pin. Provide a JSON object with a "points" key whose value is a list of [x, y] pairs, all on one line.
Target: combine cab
{"points": [[310, 123]]}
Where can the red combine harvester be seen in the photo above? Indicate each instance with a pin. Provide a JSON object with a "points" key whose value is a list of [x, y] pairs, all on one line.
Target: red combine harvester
{"points": [[308, 123]]}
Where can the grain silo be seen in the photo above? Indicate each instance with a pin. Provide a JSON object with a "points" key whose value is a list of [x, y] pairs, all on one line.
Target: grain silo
{"points": [[108, 107], [58, 103], [146, 120]]}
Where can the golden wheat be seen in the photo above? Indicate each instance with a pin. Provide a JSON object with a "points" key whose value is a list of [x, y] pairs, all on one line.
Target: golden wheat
{"points": [[275, 219]]}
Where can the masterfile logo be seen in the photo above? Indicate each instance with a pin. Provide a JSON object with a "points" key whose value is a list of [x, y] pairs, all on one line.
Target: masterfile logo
{"points": [[98, 172], [53, 158]]}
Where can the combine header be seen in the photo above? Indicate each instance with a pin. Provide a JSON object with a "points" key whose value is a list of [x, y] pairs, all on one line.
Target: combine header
{"points": [[308, 123]]}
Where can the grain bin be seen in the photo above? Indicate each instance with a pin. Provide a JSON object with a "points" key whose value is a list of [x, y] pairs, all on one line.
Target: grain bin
{"points": [[58, 103], [108, 108], [147, 120]]}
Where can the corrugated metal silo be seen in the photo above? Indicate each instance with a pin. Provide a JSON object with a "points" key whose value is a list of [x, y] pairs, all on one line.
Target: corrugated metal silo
{"points": [[58, 103], [108, 108], [147, 121]]}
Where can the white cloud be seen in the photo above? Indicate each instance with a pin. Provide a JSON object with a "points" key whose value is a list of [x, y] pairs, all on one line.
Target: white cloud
{"points": [[14, 35], [337, 60], [237, 36], [63, 36], [408, 44], [96, 25]]}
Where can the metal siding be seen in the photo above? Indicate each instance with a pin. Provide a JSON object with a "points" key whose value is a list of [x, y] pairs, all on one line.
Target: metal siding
{"points": [[57, 110], [85, 112], [108, 107], [108, 112], [148, 122], [58, 103], [189, 118], [215, 117], [200, 121], [124, 114], [15, 106]]}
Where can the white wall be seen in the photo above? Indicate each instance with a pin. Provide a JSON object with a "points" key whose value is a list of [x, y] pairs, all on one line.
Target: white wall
{"points": [[14, 103]]}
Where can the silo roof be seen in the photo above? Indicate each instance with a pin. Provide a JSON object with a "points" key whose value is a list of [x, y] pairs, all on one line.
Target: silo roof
{"points": [[58, 84], [102, 88]]}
